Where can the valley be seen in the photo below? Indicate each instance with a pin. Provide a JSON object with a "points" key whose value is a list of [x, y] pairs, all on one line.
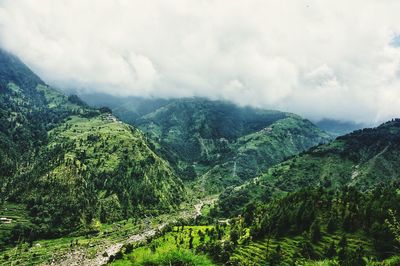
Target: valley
{"points": [[188, 181]]}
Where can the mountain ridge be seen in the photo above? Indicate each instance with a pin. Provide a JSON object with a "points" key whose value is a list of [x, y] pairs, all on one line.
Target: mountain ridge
{"points": [[70, 164], [364, 159], [209, 134]]}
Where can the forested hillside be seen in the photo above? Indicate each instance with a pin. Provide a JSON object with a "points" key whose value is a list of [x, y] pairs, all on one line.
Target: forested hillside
{"points": [[363, 159], [71, 165], [71, 173], [312, 226], [215, 144]]}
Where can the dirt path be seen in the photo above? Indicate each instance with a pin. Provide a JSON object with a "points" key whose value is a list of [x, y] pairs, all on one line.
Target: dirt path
{"points": [[79, 257]]}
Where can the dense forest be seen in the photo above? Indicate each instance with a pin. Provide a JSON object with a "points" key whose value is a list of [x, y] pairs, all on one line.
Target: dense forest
{"points": [[312, 225]]}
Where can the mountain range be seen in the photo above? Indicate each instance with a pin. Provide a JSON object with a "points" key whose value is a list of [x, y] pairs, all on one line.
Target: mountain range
{"points": [[267, 187], [215, 143]]}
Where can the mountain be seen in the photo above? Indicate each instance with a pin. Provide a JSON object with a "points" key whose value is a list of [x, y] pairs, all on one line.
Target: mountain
{"points": [[335, 204], [71, 165], [362, 159], [24, 114], [223, 144], [215, 144], [338, 128]]}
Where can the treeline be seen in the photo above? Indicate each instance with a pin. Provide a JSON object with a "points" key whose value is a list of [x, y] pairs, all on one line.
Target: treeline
{"points": [[313, 211], [106, 177], [25, 119]]}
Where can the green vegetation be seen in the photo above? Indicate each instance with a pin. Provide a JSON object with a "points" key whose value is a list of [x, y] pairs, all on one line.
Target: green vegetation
{"points": [[94, 169], [215, 144], [173, 248], [252, 154], [77, 183], [18, 219], [302, 228], [364, 159], [46, 251], [69, 165]]}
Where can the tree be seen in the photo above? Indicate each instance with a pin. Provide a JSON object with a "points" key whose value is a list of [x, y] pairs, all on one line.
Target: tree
{"points": [[201, 236], [191, 242], [357, 257], [105, 109], [332, 225], [342, 256], [315, 232], [276, 256], [343, 242], [331, 251], [348, 223], [393, 224], [234, 235], [343, 252], [306, 249], [248, 213], [189, 173], [153, 247]]}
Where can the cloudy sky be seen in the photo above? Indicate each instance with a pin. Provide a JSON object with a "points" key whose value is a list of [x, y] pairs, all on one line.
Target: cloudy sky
{"points": [[336, 59]]}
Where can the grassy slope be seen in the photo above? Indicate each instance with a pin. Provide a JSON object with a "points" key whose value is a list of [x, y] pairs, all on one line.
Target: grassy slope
{"points": [[255, 253], [256, 152], [96, 168], [83, 245], [70, 163], [363, 158], [109, 144], [45, 251], [166, 250], [226, 144], [245, 253]]}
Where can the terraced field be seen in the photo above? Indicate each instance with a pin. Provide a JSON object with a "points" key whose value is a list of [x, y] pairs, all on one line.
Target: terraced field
{"points": [[80, 248], [256, 252], [170, 248], [18, 215]]}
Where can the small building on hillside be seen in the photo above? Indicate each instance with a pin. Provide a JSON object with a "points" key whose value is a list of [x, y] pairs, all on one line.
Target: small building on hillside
{"points": [[4, 220]]}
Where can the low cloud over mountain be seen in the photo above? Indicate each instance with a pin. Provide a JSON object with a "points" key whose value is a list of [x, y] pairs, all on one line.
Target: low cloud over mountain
{"points": [[337, 60]]}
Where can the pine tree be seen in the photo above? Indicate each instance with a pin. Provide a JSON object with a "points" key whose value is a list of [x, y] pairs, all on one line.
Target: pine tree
{"points": [[315, 232], [234, 235], [276, 257], [191, 242], [343, 252], [332, 225], [358, 257], [306, 249], [331, 251]]}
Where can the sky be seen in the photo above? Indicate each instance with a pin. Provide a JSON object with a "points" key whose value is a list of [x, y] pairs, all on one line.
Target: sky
{"points": [[321, 59]]}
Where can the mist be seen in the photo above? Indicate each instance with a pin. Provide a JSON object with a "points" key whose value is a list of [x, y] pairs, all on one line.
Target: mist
{"points": [[338, 59]]}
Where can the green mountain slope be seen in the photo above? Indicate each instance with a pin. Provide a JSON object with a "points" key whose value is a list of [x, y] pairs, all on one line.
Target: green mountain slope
{"points": [[254, 153], [223, 144], [311, 226], [363, 159], [316, 224], [69, 164], [95, 168]]}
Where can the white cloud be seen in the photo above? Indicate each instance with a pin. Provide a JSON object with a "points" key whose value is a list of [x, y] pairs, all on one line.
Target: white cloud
{"points": [[336, 59]]}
